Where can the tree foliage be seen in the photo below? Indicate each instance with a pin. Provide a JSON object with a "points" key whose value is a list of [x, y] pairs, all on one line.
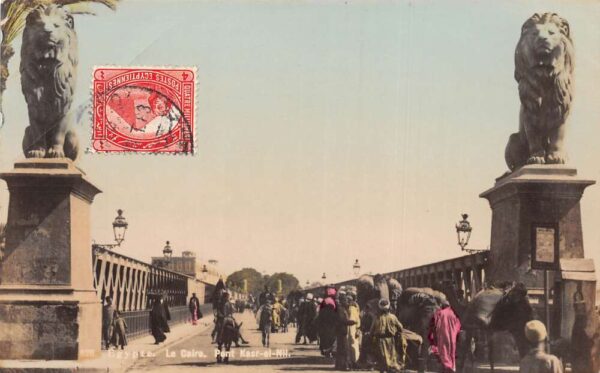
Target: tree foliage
{"points": [[289, 283], [255, 280]]}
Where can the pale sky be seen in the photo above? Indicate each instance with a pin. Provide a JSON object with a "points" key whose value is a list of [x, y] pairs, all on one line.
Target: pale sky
{"points": [[327, 131]]}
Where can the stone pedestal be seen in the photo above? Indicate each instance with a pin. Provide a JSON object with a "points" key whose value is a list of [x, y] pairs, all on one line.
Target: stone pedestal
{"points": [[534, 194], [48, 305]]}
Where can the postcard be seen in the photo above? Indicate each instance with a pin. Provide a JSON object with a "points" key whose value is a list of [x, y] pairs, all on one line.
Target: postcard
{"points": [[225, 185]]}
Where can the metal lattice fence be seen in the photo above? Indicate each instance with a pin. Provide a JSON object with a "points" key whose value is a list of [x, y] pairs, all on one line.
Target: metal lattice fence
{"points": [[138, 322]]}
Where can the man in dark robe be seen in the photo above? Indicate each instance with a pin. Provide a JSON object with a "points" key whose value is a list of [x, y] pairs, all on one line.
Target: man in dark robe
{"points": [[159, 315], [108, 311], [301, 327], [327, 321]]}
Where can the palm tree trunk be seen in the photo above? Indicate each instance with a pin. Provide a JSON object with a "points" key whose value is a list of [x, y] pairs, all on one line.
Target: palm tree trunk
{"points": [[6, 52]]}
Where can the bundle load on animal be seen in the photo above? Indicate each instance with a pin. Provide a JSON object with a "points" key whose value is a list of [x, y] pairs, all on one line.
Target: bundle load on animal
{"points": [[418, 295], [371, 287], [48, 77], [544, 71]]}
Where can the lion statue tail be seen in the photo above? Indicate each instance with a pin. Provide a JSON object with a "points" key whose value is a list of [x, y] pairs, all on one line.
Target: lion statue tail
{"points": [[517, 151], [71, 146]]}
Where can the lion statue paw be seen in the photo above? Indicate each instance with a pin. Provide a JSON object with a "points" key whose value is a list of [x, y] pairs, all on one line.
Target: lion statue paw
{"points": [[36, 153], [56, 151], [536, 159], [556, 157]]}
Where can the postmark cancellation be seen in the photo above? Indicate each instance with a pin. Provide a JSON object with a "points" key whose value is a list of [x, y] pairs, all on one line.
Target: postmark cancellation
{"points": [[144, 110]]}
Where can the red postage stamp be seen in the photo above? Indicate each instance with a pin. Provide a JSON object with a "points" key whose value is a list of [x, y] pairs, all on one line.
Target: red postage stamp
{"points": [[144, 110]]}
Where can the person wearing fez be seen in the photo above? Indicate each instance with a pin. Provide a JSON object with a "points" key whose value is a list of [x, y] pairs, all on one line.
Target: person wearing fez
{"points": [[537, 360]]}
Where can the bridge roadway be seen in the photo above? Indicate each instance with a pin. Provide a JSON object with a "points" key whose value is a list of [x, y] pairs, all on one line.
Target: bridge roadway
{"points": [[197, 351]]}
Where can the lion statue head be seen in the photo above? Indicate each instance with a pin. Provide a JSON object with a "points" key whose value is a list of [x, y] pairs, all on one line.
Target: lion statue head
{"points": [[544, 63], [49, 56], [48, 77], [544, 59]]}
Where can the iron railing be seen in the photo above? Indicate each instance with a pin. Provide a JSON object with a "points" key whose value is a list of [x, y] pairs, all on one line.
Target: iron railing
{"points": [[138, 322], [131, 282], [466, 272]]}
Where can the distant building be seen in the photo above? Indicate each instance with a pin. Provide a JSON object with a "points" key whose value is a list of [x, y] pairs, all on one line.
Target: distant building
{"points": [[189, 265]]}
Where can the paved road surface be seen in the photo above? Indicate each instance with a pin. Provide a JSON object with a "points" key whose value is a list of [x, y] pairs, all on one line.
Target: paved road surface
{"points": [[197, 351]]}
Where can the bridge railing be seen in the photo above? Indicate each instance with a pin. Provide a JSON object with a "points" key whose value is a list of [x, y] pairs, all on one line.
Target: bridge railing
{"points": [[138, 322], [468, 273], [131, 282]]}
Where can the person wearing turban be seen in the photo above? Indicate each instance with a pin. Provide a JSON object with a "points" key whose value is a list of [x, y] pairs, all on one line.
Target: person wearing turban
{"points": [[327, 321], [385, 332]]}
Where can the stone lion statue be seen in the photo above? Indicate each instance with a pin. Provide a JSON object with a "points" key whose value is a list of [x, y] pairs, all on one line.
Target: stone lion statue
{"points": [[544, 71], [48, 76]]}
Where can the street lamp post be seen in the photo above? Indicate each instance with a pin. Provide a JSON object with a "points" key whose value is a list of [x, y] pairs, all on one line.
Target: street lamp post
{"points": [[119, 228], [324, 277], [463, 232], [204, 272], [167, 253], [356, 268]]}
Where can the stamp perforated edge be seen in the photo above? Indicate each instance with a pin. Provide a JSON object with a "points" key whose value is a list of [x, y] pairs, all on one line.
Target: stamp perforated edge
{"points": [[91, 150]]}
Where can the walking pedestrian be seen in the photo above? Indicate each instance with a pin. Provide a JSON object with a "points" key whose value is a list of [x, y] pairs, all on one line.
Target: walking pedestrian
{"points": [[159, 316], [284, 315], [354, 334], [276, 316], [443, 335], [343, 355], [195, 309], [265, 313], [386, 333], [537, 360], [120, 330], [327, 322], [108, 311], [300, 332]]}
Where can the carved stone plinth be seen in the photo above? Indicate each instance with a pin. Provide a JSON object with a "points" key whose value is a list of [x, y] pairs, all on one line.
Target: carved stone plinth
{"points": [[48, 305], [534, 194]]}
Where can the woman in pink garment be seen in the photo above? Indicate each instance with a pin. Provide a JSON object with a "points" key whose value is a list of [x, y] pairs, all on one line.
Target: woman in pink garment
{"points": [[443, 333]]}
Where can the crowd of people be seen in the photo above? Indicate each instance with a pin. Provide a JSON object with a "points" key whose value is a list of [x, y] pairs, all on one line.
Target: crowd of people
{"points": [[375, 338], [355, 338]]}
